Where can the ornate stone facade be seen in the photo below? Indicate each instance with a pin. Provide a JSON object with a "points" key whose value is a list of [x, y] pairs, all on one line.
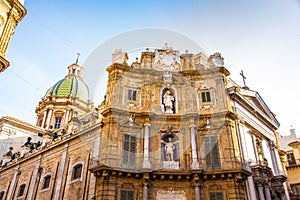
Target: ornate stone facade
{"points": [[290, 152], [11, 13], [171, 127]]}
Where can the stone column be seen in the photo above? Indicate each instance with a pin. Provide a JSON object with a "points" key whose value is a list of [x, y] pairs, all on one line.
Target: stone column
{"points": [[274, 158], [67, 117], [95, 158], [49, 118], [260, 192], [267, 192], [13, 185], [197, 192], [34, 179], [195, 163], [146, 163], [61, 173], [44, 119], [145, 191]]}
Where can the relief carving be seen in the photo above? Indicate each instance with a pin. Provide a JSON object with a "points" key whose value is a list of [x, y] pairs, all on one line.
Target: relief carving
{"points": [[215, 186], [119, 57], [171, 194], [167, 59]]}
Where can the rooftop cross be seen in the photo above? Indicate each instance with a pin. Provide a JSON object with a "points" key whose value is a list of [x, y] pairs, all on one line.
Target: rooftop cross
{"points": [[77, 59], [244, 79]]}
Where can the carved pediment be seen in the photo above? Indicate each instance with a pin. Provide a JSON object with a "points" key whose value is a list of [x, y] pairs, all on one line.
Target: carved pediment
{"points": [[215, 186], [258, 103], [167, 59], [119, 57], [127, 185], [170, 194], [216, 59]]}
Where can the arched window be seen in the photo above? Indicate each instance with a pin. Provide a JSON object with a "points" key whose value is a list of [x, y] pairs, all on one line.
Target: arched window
{"points": [[46, 183], [77, 171], [2, 195], [21, 190]]}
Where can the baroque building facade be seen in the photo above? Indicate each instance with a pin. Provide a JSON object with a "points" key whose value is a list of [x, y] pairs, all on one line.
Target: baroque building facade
{"points": [[172, 126], [11, 13], [290, 146]]}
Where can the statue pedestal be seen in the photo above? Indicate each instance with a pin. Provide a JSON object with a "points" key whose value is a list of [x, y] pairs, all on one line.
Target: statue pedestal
{"points": [[170, 194], [170, 165], [169, 111], [195, 165], [25, 150], [146, 165], [5, 160]]}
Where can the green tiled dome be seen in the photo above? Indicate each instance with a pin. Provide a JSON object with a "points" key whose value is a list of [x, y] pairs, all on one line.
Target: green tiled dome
{"points": [[70, 85]]}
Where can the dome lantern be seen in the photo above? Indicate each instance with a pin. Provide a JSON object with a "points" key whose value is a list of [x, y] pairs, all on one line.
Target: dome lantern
{"points": [[75, 69], [65, 97]]}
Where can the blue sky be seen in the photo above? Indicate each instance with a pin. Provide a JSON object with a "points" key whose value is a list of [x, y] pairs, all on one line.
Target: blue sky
{"points": [[261, 37]]}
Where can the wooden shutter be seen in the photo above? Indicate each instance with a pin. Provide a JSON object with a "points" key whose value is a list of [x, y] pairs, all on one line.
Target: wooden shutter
{"points": [[129, 151], [216, 196], [132, 95], [208, 99], [127, 195], [211, 150]]}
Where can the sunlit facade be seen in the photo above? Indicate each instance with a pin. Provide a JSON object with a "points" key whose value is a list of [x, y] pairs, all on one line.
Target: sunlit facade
{"points": [[172, 126]]}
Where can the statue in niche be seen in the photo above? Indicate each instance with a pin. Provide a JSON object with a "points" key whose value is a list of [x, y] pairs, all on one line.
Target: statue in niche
{"points": [[168, 101], [170, 147]]}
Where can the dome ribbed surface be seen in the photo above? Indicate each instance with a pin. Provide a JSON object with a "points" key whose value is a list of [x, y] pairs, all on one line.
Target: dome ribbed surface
{"points": [[71, 85]]}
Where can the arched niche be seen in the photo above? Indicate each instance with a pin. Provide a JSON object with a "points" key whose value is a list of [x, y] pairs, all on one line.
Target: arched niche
{"points": [[169, 100], [170, 148]]}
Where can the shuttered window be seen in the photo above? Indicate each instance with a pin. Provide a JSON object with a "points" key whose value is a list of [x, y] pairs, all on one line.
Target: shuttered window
{"points": [[129, 151], [216, 196], [132, 95], [127, 195], [211, 150], [205, 96]]}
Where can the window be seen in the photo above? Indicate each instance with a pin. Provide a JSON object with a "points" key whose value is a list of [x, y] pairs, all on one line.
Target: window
{"points": [[2, 195], [132, 95], [127, 195], [77, 170], [296, 189], [291, 159], [46, 183], [21, 190], [57, 122], [216, 196], [205, 96], [129, 150], [211, 150]]}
